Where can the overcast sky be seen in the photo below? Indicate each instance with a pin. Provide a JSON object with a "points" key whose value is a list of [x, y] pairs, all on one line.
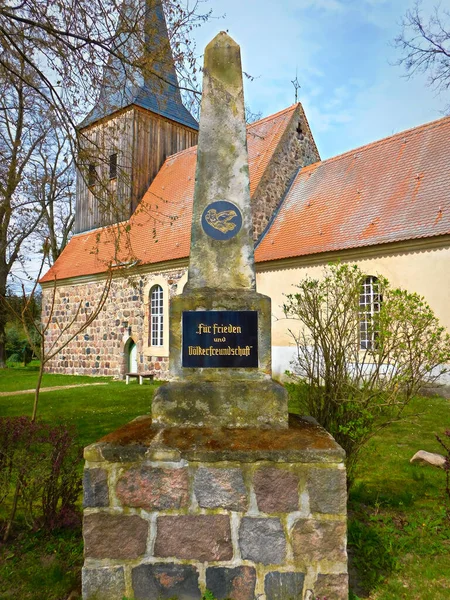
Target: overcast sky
{"points": [[343, 53]]}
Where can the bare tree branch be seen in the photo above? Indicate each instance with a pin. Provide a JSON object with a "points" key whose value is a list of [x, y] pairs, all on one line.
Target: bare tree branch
{"points": [[54, 59], [425, 46]]}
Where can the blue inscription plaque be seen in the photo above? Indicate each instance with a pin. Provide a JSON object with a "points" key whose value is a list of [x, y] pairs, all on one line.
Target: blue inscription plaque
{"points": [[220, 338], [221, 220]]}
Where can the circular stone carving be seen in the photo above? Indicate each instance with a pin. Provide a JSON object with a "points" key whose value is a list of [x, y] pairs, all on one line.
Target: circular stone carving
{"points": [[221, 220]]}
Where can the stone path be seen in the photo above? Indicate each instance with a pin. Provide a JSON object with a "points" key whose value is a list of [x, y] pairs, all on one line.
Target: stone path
{"points": [[50, 389]]}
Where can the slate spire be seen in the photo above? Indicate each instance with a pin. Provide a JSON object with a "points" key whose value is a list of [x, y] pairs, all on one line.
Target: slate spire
{"points": [[154, 84]]}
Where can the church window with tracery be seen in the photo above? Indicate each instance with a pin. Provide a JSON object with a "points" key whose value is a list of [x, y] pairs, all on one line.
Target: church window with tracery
{"points": [[370, 300], [156, 316]]}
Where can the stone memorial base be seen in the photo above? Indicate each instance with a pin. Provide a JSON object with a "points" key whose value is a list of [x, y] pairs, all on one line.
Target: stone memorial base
{"points": [[261, 404], [244, 513]]}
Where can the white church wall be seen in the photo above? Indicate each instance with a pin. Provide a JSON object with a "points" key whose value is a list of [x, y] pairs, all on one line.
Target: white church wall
{"points": [[422, 270]]}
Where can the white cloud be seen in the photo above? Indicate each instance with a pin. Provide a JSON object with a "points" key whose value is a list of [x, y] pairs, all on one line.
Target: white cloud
{"points": [[338, 96]]}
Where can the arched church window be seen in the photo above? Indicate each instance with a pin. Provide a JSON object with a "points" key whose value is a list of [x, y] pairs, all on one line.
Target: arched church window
{"points": [[156, 316], [370, 300]]}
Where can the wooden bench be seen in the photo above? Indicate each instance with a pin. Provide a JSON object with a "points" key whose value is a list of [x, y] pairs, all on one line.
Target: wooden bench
{"points": [[140, 376]]}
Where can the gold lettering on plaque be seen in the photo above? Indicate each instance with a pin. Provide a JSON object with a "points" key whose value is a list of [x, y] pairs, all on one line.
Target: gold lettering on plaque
{"points": [[216, 328], [211, 351]]}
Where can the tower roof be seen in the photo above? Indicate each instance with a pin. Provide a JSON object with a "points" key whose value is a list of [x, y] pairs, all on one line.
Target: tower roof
{"points": [[155, 87]]}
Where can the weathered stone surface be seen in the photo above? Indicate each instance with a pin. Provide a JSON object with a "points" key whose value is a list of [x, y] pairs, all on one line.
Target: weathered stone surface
{"points": [[93, 453], [238, 583], [220, 488], [124, 453], [195, 537], [114, 536], [262, 540], [95, 488], [284, 586], [103, 583], [327, 490], [302, 442], [221, 273], [105, 338], [222, 172], [332, 587], [296, 148], [319, 540], [276, 490], [154, 488], [162, 581], [227, 403]]}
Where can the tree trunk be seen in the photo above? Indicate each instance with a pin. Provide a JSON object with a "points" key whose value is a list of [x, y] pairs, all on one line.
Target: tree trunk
{"points": [[3, 319], [39, 382]]}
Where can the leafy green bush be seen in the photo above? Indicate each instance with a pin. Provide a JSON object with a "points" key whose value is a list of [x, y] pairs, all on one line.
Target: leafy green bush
{"points": [[354, 392], [18, 348], [14, 358]]}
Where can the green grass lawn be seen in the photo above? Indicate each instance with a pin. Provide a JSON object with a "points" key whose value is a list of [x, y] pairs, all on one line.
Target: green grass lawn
{"points": [[398, 532], [94, 411], [399, 538], [25, 378]]}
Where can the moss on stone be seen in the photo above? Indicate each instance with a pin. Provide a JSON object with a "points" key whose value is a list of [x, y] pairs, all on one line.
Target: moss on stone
{"points": [[223, 60]]}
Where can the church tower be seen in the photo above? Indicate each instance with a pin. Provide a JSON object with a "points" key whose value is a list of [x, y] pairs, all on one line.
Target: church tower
{"points": [[139, 119]]}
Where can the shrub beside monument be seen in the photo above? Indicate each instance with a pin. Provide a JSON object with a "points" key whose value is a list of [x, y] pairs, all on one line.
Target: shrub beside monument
{"points": [[353, 392]]}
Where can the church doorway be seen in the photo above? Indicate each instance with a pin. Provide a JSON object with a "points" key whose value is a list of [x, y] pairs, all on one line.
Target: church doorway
{"points": [[131, 356]]}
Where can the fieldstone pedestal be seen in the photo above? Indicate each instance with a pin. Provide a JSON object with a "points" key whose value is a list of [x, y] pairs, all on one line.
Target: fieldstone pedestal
{"points": [[244, 513]]}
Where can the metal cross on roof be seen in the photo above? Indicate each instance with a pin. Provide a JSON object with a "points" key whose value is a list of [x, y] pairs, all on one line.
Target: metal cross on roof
{"points": [[297, 86]]}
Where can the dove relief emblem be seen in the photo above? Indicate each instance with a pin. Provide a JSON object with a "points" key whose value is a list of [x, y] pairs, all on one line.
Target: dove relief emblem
{"points": [[221, 220]]}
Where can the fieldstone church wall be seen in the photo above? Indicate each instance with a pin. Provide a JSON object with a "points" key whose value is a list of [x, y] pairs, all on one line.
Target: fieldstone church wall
{"points": [[171, 513], [100, 349], [296, 149]]}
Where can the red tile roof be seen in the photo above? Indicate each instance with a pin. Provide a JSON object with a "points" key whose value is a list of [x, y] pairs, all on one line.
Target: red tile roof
{"points": [[395, 189], [160, 228]]}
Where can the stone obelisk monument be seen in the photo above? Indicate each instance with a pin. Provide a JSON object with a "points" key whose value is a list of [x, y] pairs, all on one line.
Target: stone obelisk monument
{"points": [[218, 490], [220, 327]]}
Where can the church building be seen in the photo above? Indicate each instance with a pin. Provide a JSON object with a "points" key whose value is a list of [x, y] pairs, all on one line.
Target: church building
{"points": [[384, 206]]}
